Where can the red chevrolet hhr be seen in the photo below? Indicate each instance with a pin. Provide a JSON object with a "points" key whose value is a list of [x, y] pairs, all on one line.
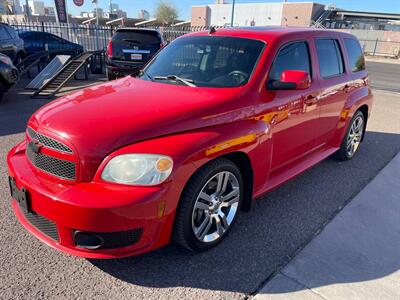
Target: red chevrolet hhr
{"points": [[213, 121]]}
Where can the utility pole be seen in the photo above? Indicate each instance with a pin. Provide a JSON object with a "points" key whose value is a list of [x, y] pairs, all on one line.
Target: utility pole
{"points": [[233, 12], [111, 11], [28, 14], [97, 11]]}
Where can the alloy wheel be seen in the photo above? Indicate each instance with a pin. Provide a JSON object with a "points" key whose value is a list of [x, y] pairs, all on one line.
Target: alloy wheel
{"points": [[215, 207], [355, 135]]}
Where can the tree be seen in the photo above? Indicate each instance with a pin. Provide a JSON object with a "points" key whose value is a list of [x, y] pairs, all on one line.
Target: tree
{"points": [[166, 13]]}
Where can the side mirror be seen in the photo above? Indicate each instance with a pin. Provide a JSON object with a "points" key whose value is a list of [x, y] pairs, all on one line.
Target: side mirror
{"points": [[291, 80]]}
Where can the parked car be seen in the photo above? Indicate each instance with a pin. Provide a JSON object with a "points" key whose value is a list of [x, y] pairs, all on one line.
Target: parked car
{"points": [[11, 44], [130, 49], [8, 74], [36, 41], [214, 121]]}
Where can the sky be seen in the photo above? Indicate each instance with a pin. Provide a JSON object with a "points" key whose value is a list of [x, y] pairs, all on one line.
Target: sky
{"points": [[184, 6]]}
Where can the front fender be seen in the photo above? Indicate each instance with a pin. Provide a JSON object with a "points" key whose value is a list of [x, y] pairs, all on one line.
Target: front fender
{"points": [[191, 150]]}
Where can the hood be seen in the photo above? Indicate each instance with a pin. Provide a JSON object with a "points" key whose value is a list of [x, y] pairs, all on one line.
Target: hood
{"points": [[100, 119]]}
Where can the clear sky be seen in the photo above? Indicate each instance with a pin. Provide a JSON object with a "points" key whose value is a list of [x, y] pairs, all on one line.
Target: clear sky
{"points": [[184, 6]]}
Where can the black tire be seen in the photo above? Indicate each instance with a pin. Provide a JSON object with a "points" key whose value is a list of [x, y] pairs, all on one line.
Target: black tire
{"points": [[343, 153], [110, 75], [183, 230]]}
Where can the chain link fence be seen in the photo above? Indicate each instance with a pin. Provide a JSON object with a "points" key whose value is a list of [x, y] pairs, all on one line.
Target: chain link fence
{"points": [[381, 48], [93, 37]]}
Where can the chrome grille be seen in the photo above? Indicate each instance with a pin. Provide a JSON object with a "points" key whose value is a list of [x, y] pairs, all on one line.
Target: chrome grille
{"points": [[54, 166], [48, 142]]}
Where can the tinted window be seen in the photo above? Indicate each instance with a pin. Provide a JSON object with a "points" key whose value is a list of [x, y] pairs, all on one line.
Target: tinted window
{"points": [[356, 57], [329, 57], [294, 56], [4, 35], [209, 61], [138, 36]]}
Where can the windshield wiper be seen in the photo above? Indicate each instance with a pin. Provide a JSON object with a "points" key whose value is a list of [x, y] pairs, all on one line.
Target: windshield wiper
{"points": [[188, 82]]}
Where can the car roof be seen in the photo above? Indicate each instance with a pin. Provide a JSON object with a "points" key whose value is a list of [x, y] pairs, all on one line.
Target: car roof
{"points": [[266, 33], [136, 29]]}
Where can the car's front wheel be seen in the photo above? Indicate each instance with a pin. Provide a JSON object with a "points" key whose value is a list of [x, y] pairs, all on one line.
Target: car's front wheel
{"points": [[352, 140], [209, 205]]}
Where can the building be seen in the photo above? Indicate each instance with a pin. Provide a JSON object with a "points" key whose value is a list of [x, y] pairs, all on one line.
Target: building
{"points": [[15, 7], [49, 11], [143, 14], [36, 8], [256, 14], [345, 19]]}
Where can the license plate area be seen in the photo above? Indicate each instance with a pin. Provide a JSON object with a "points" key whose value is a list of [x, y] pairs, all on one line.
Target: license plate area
{"points": [[21, 195], [136, 56]]}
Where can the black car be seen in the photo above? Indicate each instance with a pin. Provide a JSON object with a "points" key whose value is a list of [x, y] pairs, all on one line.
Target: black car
{"points": [[11, 44], [131, 48], [36, 41], [8, 74]]}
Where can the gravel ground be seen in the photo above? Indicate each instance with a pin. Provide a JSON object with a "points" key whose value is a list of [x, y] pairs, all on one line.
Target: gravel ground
{"points": [[279, 225]]}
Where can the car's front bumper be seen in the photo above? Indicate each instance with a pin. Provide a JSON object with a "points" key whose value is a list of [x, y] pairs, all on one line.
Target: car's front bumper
{"points": [[92, 207], [10, 75]]}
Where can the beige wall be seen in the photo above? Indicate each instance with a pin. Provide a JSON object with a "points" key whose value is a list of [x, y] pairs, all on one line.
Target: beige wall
{"points": [[298, 14], [200, 16]]}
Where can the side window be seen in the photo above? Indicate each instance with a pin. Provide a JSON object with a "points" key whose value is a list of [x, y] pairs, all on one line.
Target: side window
{"points": [[4, 35], [355, 54], [294, 56], [329, 57]]}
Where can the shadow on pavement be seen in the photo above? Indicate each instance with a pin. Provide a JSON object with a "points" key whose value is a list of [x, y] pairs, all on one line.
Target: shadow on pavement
{"points": [[279, 225]]}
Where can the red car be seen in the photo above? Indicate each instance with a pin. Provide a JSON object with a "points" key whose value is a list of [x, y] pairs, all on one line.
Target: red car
{"points": [[214, 121]]}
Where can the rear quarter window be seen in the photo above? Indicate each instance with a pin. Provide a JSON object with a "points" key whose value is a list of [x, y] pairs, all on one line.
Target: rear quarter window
{"points": [[329, 57], [355, 55], [140, 37]]}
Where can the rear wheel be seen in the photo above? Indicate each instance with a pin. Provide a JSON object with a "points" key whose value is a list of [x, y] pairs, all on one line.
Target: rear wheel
{"points": [[209, 205], [110, 75], [352, 140]]}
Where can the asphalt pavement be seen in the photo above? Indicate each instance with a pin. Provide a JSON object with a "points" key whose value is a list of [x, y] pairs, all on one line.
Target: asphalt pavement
{"points": [[279, 226], [384, 75]]}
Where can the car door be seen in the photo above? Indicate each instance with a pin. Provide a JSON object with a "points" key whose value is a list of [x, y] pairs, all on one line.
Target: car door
{"points": [[334, 82], [293, 113]]}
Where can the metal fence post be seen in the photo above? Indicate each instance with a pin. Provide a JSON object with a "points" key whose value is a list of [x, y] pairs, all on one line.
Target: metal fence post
{"points": [[376, 44]]}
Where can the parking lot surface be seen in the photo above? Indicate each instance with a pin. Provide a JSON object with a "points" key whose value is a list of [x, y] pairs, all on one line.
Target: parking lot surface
{"points": [[384, 76], [279, 225]]}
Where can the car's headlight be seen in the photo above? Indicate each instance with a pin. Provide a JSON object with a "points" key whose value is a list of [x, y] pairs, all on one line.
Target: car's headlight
{"points": [[138, 169]]}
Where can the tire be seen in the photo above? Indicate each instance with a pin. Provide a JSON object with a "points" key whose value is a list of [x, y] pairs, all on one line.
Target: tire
{"points": [[353, 137], [207, 210], [110, 75]]}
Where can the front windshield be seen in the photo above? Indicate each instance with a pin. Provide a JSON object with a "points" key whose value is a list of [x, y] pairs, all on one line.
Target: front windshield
{"points": [[205, 61]]}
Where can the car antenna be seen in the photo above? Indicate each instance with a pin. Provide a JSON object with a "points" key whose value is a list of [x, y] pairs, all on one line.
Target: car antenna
{"points": [[212, 30]]}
